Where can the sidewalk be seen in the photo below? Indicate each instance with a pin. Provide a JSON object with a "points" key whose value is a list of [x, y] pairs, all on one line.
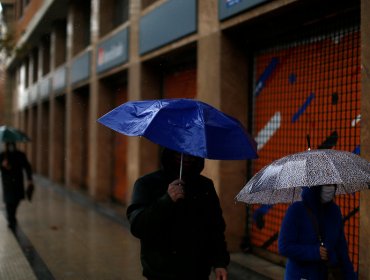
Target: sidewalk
{"points": [[13, 263], [76, 238]]}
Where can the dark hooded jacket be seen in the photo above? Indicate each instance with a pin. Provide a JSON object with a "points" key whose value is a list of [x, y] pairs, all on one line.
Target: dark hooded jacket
{"points": [[12, 179], [183, 239], [299, 241]]}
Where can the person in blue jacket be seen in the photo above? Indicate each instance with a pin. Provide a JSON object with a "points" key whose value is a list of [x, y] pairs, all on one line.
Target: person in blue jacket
{"points": [[312, 237]]}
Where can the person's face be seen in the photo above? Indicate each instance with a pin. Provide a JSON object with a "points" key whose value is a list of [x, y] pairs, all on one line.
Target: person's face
{"points": [[191, 165], [187, 160], [9, 146], [327, 193]]}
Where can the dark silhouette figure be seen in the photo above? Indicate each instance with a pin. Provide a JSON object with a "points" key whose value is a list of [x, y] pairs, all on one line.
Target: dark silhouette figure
{"points": [[13, 163], [179, 222]]}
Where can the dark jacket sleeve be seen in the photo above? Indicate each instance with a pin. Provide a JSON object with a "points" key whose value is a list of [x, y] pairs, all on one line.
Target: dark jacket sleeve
{"points": [[1, 159], [347, 265], [288, 243], [148, 214], [27, 166], [342, 253]]}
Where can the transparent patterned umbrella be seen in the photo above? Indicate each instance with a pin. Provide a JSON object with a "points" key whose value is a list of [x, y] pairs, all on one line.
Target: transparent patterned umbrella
{"points": [[282, 180]]}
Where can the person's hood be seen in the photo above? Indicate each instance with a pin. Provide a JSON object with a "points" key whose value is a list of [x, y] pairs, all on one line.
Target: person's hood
{"points": [[311, 197], [10, 147], [171, 164]]}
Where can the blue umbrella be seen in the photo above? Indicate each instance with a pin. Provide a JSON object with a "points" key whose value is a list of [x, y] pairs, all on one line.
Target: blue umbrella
{"points": [[185, 125]]}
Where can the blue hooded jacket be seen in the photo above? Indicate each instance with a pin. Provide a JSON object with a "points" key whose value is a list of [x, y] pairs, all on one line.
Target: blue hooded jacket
{"points": [[299, 240]]}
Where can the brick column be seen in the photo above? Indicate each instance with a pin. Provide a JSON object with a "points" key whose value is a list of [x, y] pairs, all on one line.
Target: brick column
{"points": [[57, 135], [27, 108], [142, 84], [364, 252], [100, 138], [52, 126], [222, 82], [57, 107], [69, 119], [44, 137], [38, 123]]}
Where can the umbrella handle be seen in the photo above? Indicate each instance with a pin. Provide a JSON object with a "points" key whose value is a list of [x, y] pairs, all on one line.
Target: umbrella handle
{"points": [[182, 155], [308, 142]]}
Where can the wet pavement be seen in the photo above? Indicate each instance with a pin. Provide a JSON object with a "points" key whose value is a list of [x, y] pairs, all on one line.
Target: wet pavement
{"points": [[64, 235], [13, 263]]}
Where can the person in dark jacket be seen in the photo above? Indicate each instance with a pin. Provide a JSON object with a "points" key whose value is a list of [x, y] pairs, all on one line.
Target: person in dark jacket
{"points": [[13, 163], [179, 222], [312, 237]]}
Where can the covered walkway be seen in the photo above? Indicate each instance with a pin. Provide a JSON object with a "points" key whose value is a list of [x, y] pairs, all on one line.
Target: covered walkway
{"points": [[64, 235]]}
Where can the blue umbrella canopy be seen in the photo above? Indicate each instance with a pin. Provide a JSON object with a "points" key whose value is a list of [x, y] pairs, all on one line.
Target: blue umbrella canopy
{"points": [[11, 134], [185, 125]]}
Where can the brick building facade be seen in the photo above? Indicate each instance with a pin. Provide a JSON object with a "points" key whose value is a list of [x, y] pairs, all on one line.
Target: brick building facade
{"points": [[282, 67]]}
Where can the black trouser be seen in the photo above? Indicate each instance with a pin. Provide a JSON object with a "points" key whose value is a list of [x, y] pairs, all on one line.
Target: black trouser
{"points": [[11, 210]]}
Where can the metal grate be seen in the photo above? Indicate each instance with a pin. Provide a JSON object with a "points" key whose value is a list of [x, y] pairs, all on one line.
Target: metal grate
{"points": [[307, 85]]}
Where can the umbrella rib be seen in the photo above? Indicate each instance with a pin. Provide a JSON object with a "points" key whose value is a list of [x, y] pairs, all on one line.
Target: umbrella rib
{"points": [[345, 188], [359, 169], [333, 167], [204, 131], [271, 196], [150, 124], [156, 114]]}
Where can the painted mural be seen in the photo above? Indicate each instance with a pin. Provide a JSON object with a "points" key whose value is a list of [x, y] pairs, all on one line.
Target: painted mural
{"points": [[309, 86]]}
